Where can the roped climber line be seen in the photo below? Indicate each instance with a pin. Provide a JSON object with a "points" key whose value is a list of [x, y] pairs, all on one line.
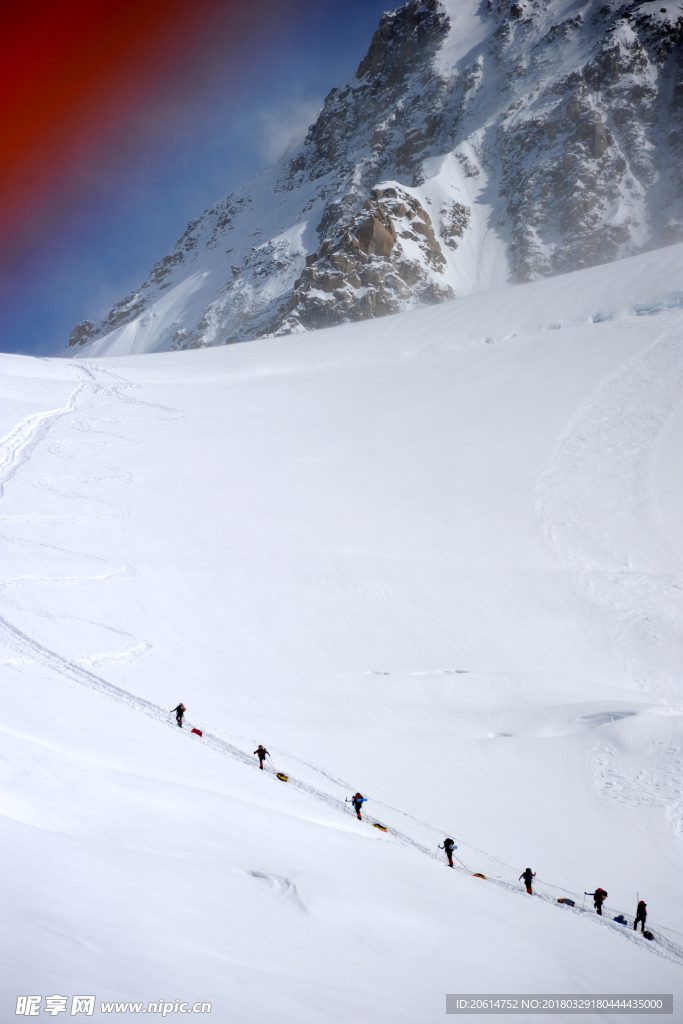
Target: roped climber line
{"points": [[25, 645]]}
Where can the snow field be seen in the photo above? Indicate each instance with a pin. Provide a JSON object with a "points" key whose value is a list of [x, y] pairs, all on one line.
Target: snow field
{"points": [[434, 558]]}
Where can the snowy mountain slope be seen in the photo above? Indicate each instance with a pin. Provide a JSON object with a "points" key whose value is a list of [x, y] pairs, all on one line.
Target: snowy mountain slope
{"points": [[435, 557], [476, 144]]}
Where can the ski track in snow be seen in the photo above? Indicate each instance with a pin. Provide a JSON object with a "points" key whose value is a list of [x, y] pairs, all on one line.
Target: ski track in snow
{"points": [[17, 448], [598, 487], [593, 499]]}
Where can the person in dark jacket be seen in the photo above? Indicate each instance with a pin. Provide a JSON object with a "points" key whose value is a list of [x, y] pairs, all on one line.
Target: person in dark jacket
{"points": [[599, 897], [448, 846], [358, 800], [641, 915], [262, 755], [179, 712], [528, 875]]}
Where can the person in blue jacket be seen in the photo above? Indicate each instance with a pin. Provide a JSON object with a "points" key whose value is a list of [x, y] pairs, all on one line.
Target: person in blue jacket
{"points": [[358, 800]]}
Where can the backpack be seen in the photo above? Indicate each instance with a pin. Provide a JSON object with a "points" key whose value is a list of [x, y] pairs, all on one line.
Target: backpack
{"points": [[570, 903]]}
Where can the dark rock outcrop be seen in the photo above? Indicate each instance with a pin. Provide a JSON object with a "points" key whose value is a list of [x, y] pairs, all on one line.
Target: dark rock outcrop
{"points": [[558, 139]]}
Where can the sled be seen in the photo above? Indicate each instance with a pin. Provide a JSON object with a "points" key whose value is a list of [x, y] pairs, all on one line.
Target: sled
{"points": [[620, 919], [198, 732], [281, 777], [648, 935], [376, 824], [478, 874], [570, 903]]}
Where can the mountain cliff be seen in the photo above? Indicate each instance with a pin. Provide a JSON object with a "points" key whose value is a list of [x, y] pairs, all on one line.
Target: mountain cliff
{"points": [[478, 142]]}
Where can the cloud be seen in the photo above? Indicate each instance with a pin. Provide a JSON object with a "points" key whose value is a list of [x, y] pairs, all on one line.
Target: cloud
{"points": [[284, 127]]}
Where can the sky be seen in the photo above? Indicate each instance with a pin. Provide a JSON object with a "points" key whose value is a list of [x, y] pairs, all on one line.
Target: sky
{"points": [[125, 119]]}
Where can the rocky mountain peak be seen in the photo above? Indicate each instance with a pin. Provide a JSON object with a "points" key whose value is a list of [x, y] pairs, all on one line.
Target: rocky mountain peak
{"points": [[405, 40], [369, 109], [478, 142]]}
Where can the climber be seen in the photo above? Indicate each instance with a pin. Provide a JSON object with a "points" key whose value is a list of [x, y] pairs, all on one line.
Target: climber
{"points": [[527, 875], [448, 846], [641, 915], [599, 897], [179, 712], [262, 755], [358, 800]]}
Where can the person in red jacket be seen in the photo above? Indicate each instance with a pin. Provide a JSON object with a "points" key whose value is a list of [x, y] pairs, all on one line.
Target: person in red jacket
{"points": [[262, 755], [358, 800]]}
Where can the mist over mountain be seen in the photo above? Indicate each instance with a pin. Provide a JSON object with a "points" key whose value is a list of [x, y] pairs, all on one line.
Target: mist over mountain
{"points": [[478, 143]]}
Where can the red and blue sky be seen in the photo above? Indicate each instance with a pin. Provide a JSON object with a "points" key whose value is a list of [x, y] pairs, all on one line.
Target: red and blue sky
{"points": [[123, 119]]}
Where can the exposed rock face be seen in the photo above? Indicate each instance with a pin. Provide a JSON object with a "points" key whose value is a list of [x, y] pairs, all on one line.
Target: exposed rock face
{"points": [[380, 121], [476, 143], [83, 332], [366, 267], [585, 164]]}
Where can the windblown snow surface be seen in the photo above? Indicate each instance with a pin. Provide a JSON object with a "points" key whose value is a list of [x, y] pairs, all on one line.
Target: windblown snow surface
{"points": [[437, 558]]}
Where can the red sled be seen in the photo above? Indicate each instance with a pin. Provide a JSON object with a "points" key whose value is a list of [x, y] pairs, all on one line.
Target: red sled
{"points": [[198, 732]]}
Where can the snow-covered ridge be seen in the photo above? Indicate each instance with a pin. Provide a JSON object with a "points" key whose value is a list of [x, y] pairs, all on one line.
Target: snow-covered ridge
{"points": [[476, 144]]}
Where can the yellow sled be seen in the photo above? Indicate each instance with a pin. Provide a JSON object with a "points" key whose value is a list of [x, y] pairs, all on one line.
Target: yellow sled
{"points": [[281, 777], [376, 824], [477, 874]]}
